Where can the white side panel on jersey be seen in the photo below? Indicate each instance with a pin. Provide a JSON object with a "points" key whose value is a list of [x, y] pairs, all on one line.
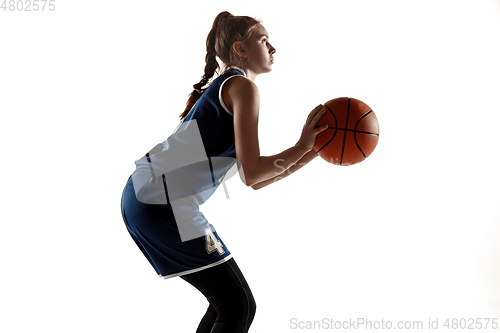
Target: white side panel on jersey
{"points": [[172, 159], [183, 163], [191, 223], [180, 164]]}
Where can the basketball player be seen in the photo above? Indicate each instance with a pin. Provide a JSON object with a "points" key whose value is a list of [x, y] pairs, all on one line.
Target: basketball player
{"points": [[160, 202]]}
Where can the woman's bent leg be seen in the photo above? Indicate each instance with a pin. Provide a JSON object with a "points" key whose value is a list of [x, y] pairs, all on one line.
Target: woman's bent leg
{"points": [[232, 306]]}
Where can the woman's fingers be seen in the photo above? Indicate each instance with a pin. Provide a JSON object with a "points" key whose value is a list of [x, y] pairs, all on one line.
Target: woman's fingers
{"points": [[312, 114], [321, 129], [316, 116], [319, 114], [309, 132], [316, 119]]}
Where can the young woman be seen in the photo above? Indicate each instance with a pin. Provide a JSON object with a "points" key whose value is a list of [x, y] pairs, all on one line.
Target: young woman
{"points": [[218, 129]]}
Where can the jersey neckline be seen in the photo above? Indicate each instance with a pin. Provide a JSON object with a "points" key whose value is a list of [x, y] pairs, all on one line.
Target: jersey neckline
{"points": [[239, 69]]}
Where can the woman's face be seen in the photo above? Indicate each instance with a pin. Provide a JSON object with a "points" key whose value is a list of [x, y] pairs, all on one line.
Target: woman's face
{"points": [[259, 52]]}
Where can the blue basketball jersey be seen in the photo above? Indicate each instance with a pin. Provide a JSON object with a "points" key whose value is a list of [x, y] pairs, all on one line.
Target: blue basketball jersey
{"points": [[161, 200]]}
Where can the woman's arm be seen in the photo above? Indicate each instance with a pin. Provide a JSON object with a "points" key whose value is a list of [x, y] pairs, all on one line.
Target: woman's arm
{"points": [[287, 171], [241, 96]]}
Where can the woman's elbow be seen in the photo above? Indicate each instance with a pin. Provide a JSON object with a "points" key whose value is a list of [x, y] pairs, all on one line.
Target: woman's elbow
{"points": [[247, 177], [254, 184], [249, 181]]}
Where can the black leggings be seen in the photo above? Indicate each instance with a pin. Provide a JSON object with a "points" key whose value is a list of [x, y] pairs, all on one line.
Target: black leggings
{"points": [[232, 306]]}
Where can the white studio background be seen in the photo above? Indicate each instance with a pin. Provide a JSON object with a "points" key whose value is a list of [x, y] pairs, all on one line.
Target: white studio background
{"points": [[411, 233]]}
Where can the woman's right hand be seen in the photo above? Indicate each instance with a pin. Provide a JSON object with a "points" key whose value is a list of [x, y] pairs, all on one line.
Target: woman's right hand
{"points": [[309, 131]]}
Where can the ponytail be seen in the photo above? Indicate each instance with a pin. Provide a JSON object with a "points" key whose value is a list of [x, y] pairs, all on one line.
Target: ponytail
{"points": [[226, 30], [211, 64]]}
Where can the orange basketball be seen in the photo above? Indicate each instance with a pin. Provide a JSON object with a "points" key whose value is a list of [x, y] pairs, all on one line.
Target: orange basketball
{"points": [[352, 132]]}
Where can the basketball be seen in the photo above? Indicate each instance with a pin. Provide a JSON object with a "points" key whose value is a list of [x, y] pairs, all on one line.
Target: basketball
{"points": [[352, 132]]}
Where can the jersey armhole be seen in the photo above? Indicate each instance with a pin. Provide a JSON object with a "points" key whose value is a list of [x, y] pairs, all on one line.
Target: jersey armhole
{"points": [[220, 94]]}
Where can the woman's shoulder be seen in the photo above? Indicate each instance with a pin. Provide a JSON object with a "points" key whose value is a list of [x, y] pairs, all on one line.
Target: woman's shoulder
{"points": [[240, 91], [241, 85]]}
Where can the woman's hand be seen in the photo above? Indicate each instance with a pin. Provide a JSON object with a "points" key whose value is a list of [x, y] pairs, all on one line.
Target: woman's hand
{"points": [[309, 132]]}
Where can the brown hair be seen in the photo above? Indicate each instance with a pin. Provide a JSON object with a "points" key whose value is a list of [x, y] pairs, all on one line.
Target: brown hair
{"points": [[226, 30]]}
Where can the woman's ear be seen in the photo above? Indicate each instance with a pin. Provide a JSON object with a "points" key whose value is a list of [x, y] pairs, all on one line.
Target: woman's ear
{"points": [[239, 49]]}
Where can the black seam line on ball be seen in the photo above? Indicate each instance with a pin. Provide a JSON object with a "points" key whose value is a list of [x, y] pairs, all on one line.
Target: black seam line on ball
{"points": [[333, 114], [351, 130], [345, 133], [355, 137], [361, 118]]}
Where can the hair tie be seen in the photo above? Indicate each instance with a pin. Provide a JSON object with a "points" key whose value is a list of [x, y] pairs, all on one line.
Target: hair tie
{"points": [[203, 82], [229, 15]]}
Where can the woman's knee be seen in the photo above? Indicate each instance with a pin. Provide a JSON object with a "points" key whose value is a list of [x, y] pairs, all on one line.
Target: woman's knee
{"points": [[252, 308], [234, 305]]}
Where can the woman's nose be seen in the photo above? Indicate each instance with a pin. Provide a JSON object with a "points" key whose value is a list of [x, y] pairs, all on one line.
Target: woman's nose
{"points": [[272, 50]]}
